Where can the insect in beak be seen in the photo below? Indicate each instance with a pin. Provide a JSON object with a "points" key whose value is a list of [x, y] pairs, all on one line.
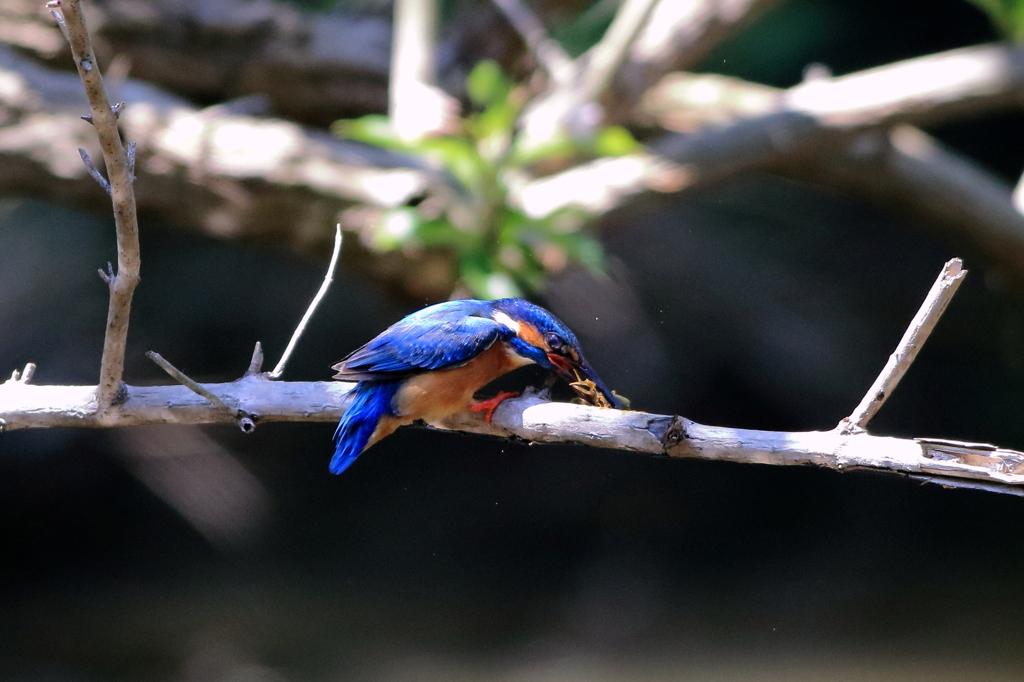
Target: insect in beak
{"points": [[585, 382]]}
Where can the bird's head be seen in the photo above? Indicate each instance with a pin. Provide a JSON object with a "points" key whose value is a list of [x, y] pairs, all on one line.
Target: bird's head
{"points": [[539, 336]]}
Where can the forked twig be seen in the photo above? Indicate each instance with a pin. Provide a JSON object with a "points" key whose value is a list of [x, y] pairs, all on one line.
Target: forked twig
{"points": [[328, 278], [917, 333]]}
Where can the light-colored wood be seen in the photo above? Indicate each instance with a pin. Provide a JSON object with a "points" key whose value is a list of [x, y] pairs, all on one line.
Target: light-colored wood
{"points": [[973, 465]]}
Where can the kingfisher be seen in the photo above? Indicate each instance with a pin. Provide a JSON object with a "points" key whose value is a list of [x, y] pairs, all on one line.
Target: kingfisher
{"points": [[429, 364]]}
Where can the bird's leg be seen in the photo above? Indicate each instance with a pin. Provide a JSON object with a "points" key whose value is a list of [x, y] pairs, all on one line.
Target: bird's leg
{"points": [[491, 404]]}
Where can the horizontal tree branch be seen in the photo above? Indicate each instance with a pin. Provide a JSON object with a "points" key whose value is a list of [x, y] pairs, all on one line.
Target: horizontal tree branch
{"points": [[533, 418], [216, 170], [913, 176], [313, 67], [728, 126], [817, 118], [290, 182]]}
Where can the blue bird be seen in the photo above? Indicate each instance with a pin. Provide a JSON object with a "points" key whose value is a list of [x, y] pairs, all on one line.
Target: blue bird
{"points": [[429, 364]]}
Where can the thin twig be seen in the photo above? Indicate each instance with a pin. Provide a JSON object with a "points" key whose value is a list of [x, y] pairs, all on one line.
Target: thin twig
{"points": [[186, 381], [245, 421], [94, 171], [104, 120], [546, 51], [917, 333], [328, 278]]}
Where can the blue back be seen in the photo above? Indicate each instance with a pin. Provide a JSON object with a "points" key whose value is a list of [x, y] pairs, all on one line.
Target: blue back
{"points": [[439, 336]]}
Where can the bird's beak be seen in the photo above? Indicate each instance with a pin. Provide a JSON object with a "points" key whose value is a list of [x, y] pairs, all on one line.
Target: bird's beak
{"points": [[575, 372]]}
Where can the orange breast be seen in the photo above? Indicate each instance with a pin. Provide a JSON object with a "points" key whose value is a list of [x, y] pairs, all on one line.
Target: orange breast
{"points": [[432, 396]]}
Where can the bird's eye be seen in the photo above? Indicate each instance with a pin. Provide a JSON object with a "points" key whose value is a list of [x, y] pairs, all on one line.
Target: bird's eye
{"points": [[554, 341]]}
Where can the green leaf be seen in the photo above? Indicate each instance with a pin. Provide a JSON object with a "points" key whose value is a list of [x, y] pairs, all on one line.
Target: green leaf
{"points": [[441, 233], [493, 128], [458, 155], [374, 129], [486, 85], [616, 141], [1007, 15]]}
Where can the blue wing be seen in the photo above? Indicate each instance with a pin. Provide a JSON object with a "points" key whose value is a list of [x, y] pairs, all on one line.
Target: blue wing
{"points": [[443, 335]]}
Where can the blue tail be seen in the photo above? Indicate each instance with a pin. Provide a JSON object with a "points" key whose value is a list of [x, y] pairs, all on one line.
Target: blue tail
{"points": [[370, 401]]}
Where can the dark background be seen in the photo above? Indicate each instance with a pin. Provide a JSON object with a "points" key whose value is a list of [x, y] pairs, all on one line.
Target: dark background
{"points": [[179, 553]]}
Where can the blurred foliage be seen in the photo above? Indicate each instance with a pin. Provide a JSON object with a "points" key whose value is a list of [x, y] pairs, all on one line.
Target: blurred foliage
{"points": [[1007, 15], [499, 251]]}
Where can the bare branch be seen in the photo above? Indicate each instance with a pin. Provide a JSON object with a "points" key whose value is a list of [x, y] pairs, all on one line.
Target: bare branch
{"points": [[546, 51], [734, 126], [917, 333], [314, 67], [23, 405], [911, 175], [328, 278], [823, 115], [531, 417], [104, 120]]}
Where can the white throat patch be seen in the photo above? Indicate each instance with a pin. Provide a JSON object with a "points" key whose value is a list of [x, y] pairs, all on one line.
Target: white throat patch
{"points": [[506, 321]]}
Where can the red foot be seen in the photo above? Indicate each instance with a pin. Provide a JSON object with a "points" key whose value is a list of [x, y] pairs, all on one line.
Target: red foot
{"points": [[491, 404]]}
